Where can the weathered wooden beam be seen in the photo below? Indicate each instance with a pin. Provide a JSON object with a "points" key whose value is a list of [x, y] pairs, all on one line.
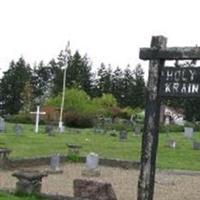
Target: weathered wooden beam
{"points": [[172, 53], [151, 125]]}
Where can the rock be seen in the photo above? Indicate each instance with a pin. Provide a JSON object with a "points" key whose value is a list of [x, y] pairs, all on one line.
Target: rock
{"points": [[93, 190]]}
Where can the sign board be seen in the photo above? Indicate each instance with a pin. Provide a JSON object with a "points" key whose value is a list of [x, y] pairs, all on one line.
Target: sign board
{"points": [[180, 82], [177, 81]]}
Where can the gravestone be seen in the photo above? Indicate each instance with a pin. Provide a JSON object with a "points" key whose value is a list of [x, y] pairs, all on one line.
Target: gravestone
{"points": [[4, 152], [93, 190], [99, 130], [49, 130], [2, 124], [171, 144], [91, 168], [188, 132], [17, 129], [123, 135], [55, 160], [137, 130], [54, 165], [196, 145]]}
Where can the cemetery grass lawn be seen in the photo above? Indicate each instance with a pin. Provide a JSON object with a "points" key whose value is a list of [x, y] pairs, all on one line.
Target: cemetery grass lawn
{"points": [[30, 144], [5, 196]]}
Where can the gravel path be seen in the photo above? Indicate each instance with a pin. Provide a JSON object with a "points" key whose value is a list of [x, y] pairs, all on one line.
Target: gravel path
{"points": [[169, 186]]}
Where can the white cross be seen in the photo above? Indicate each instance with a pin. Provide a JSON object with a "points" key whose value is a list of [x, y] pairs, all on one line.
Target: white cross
{"points": [[38, 113]]}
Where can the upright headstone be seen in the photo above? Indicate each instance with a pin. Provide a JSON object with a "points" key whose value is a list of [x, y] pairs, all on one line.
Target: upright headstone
{"points": [[54, 165], [17, 129], [4, 161], [196, 145], [137, 130], [123, 135], [171, 144], [91, 167], [2, 124], [188, 132], [55, 161], [49, 130]]}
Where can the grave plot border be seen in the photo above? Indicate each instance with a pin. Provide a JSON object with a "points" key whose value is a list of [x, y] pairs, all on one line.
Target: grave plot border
{"points": [[38, 161], [176, 82]]}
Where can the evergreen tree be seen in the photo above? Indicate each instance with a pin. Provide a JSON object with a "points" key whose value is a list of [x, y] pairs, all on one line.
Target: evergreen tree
{"points": [[27, 98], [104, 81], [12, 85], [139, 89], [78, 72], [117, 86], [128, 85], [57, 77], [41, 81], [57, 71]]}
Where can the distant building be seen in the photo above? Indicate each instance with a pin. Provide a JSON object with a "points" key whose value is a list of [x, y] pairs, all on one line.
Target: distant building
{"points": [[170, 115], [52, 114]]}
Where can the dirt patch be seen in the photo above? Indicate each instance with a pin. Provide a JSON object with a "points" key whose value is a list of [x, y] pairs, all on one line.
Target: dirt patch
{"points": [[168, 186]]}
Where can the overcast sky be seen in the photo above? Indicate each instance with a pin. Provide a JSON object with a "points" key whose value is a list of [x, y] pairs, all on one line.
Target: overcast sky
{"points": [[109, 31]]}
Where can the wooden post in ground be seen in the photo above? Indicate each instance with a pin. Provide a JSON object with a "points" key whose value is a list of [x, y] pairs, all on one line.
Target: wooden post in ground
{"points": [[151, 125]]}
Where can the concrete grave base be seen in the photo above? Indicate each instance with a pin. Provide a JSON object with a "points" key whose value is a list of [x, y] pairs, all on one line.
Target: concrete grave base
{"points": [[26, 187], [51, 171], [91, 172]]}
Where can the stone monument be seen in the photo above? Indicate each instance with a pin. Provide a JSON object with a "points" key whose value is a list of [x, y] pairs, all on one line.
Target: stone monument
{"points": [[54, 165], [29, 182], [91, 167]]}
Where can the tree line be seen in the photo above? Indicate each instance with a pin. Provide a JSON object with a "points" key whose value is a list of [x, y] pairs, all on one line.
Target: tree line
{"points": [[23, 86]]}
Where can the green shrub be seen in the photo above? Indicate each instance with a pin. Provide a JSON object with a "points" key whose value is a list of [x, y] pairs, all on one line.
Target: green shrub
{"points": [[171, 128], [77, 120], [73, 158], [20, 118], [179, 128], [195, 125], [121, 125]]}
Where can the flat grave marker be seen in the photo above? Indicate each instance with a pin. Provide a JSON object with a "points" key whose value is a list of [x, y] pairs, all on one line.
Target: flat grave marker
{"points": [[196, 145]]}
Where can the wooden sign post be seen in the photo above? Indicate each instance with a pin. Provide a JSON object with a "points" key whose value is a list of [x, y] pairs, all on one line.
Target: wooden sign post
{"points": [[162, 82]]}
